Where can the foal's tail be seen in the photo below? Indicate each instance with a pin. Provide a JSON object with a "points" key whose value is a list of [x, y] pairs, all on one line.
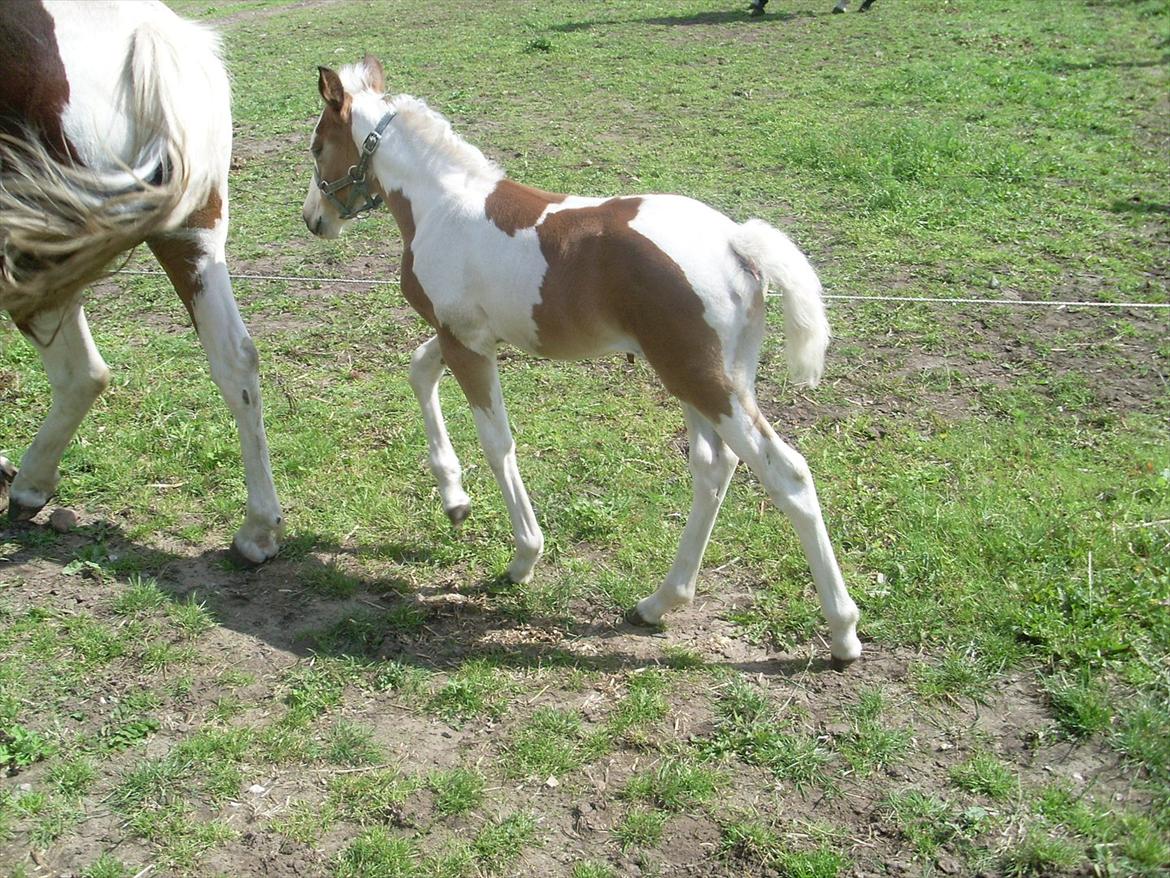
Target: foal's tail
{"points": [[61, 223], [806, 330]]}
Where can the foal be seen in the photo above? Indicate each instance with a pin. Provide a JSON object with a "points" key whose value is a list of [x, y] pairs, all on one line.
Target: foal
{"points": [[115, 129], [486, 260]]}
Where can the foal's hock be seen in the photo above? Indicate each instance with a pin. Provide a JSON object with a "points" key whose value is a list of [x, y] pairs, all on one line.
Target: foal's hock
{"points": [[487, 260]]}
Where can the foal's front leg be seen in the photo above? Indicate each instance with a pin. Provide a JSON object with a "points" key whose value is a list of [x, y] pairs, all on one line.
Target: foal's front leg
{"points": [[77, 375], [426, 367], [194, 261], [480, 380]]}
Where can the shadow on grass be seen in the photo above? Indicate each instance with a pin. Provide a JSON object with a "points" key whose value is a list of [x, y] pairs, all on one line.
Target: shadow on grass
{"points": [[438, 626], [697, 18]]}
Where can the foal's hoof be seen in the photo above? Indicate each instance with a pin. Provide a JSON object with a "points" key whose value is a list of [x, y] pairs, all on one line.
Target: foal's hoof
{"points": [[458, 514], [7, 475], [242, 558], [18, 513], [840, 664], [633, 617]]}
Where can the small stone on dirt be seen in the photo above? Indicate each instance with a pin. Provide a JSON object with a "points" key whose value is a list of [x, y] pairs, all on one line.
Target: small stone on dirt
{"points": [[63, 520], [552, 782], [257, 790]]}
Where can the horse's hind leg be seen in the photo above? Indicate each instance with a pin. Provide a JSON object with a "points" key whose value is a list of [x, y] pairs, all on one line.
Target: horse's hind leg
{"points": [[786, 477], [77, 375], [712, 464], [480, 380], [426, 367], [193, 259]]}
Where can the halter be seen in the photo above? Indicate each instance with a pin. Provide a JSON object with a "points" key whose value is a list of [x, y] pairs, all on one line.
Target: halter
{"points": [[356, 177]]}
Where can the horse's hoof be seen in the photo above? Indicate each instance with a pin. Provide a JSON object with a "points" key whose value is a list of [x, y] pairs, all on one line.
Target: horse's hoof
{"points": [[633, 617], [458, 514], [840, 664], [241, 558], [18, 513]]}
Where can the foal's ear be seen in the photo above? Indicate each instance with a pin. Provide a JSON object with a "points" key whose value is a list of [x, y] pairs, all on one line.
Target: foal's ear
{"points": [[329, 84], [375, 77]]}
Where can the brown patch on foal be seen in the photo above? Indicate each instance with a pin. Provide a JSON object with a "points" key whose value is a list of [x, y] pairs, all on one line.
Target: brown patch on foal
{"points": [[512, 206], [34, 89], [471, 370], [605, 279]]}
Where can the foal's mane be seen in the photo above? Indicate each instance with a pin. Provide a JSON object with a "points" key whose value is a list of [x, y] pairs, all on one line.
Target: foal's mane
{"points": [[437, 140]]}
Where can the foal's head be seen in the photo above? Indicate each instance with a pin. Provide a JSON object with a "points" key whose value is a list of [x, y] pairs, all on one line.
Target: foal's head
{"points": [[340, 191]]}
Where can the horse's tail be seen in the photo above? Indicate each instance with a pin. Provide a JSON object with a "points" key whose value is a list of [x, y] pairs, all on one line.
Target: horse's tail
{"points": [[61, 223], [806, 329]]}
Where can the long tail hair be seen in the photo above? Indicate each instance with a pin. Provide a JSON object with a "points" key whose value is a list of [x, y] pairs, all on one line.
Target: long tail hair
{"points": [[806, 329], [61, 223]]}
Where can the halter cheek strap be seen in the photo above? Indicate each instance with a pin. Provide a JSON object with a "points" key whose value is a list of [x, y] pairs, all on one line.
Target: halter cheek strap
{"points": [[360, 198]]}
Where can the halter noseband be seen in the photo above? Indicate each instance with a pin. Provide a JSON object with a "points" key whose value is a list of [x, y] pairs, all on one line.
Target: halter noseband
{"points": [[356, 177]]}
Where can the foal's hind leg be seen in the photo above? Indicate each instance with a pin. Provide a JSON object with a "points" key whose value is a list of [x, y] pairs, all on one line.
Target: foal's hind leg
{"points": [[480, 380], [788, 481], [426, 367], [193, 259], [712, 464], [77, 375]]}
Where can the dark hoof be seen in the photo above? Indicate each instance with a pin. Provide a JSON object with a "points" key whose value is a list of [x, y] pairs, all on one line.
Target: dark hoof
{"points": [[865, 4], [837, 10], [458, 515], [239, 559], [633, 617], [18, 513], [756, 11], [838, 664]]}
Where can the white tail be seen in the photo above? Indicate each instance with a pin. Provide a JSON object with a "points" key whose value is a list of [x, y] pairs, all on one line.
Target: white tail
{"points": [[806, 329], [62, 223]]}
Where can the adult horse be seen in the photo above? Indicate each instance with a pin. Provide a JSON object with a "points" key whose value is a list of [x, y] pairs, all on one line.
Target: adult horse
{"points": [[487, 260], [115, 129]]}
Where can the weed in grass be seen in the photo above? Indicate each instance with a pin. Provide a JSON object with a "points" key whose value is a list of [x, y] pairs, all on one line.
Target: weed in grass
{"points": [[107, 866], [552, 743], [305, 822], [314, 689], [141, 596], [329, 581], [182, 839], [455, 860], [476, 689], [748, 730], [641, 828], [1080, 702], [377, 854], [1039, 853], [499, 845], [926, 822], [957, 675], [73, 777], [676, 784], [679, 658], [985, 774], [591, 869], [1144, 737], [371, 796], [869, 745], [21, 747], [191, 616], [351, 744], [643, 705], [1119, 842], [410, 682], [457, 791]]}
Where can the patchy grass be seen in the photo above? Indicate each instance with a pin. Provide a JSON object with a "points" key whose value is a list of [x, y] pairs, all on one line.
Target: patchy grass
{"points": [[378, 701]]}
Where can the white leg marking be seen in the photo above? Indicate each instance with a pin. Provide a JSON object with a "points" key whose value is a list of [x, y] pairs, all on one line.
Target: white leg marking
{"points": [[788, 481], [426, 367], [235, 370], [78, 375], [712, 464], [496, 438]]}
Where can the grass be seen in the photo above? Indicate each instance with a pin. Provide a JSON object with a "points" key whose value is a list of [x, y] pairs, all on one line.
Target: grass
{"points": [[994, 481]]}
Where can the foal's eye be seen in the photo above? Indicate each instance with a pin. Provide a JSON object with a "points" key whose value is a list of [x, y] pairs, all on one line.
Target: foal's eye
{"points": [[316, 150]]}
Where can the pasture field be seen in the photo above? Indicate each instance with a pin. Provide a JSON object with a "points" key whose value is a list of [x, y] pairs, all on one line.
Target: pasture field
{"points": [[377, 703]]}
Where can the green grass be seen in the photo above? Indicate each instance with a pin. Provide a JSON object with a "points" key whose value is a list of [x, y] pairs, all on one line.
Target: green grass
{"points": [[994, 481]]}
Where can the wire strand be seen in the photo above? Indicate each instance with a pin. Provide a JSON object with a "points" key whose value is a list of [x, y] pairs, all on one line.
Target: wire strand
{"points": [[942, 300]]}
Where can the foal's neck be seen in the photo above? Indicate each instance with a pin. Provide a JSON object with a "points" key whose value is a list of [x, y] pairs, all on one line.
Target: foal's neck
{"points": [[421, 157]]}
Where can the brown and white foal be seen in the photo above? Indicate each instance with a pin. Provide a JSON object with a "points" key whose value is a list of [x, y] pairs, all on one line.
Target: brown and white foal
{"points": [[487, 260], [115, 129]]}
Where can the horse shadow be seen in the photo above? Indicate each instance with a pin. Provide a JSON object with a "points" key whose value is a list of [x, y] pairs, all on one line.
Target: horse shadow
{"points": [[306, 603]]}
